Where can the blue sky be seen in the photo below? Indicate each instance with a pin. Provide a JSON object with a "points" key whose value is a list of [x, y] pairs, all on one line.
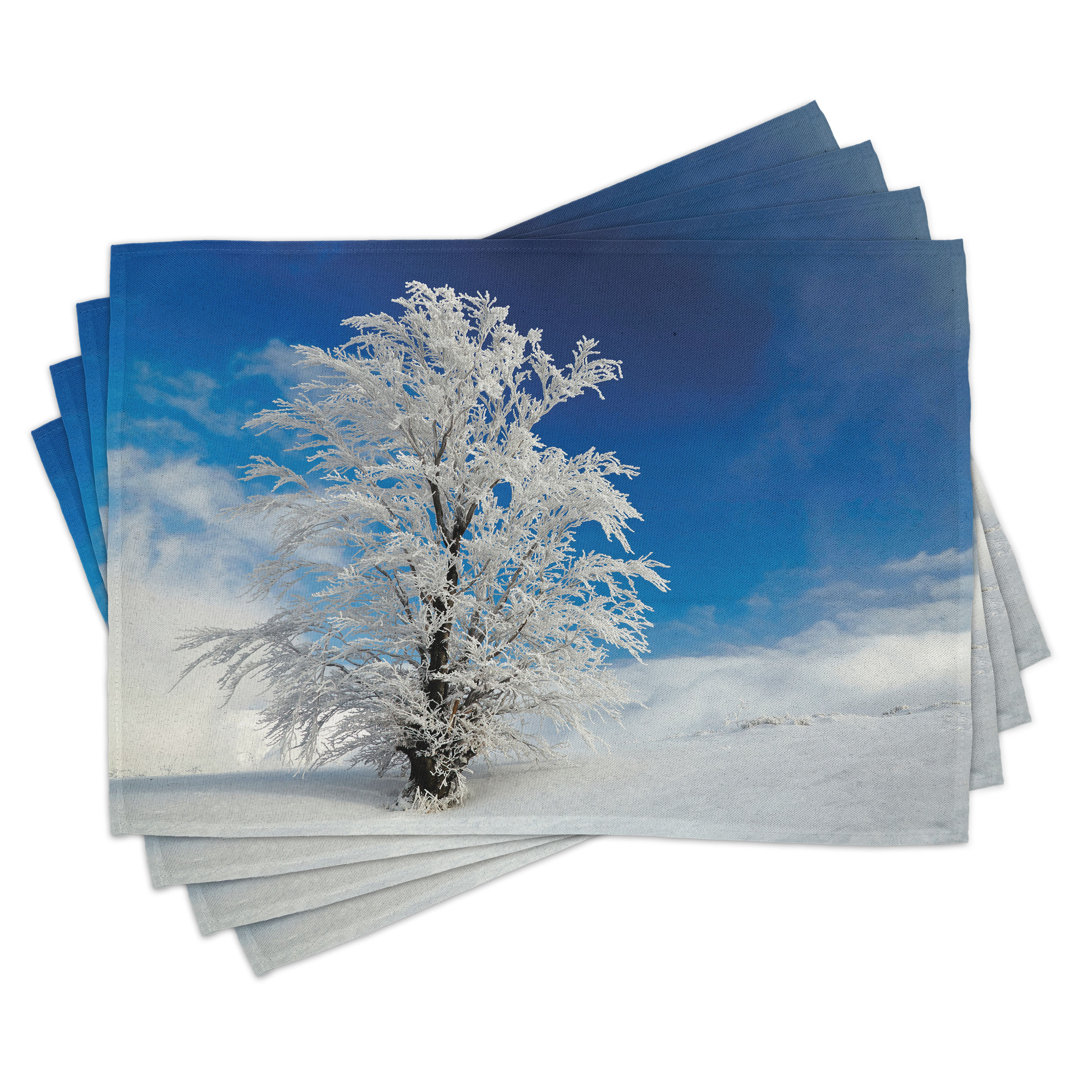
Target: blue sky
{"points": [[794, 418]]}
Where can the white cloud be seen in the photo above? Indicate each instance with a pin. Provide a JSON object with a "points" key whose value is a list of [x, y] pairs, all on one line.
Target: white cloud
{"points": [[892, 639], [938, 614], [276, 360], [945, 588], [164, 430], [841, 592], [190, 392], [882, 600], [176, 519], [699, 624], [170, 581], [825, 670], [951, 560]]}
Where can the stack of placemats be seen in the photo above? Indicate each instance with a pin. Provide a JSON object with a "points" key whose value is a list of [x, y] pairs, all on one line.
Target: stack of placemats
{"points": [[653, 515]]}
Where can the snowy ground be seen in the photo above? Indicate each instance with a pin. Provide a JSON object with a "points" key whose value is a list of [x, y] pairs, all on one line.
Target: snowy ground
{"points": [[896, 778]]}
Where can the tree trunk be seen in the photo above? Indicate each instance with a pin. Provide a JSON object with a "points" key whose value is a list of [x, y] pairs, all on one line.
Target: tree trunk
{"points": [[439, 778]]}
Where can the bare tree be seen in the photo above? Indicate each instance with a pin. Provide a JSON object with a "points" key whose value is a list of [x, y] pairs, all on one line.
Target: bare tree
{"points": [[433, 600]]}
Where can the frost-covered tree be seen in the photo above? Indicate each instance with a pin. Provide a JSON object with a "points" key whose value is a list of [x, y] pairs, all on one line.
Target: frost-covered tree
{"points": [[433, 601]]}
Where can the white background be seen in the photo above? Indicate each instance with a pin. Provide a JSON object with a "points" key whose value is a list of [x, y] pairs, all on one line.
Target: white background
{"points": [[128, 122]]}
